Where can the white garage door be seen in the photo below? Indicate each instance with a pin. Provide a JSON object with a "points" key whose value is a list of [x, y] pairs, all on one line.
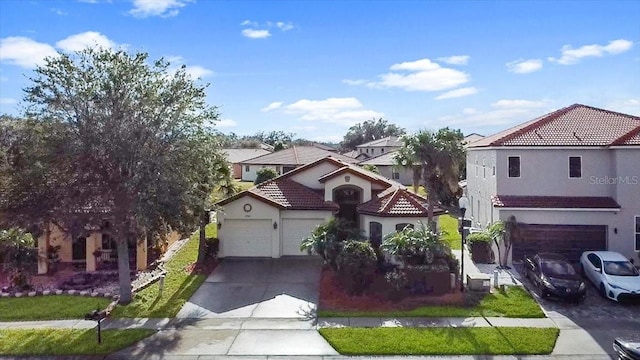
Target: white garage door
{"points": [[293, 231], [247, 238]]}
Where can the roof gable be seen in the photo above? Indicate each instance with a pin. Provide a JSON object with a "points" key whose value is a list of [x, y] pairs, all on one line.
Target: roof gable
{"points": [[576, 125], [239, 155], [398, 202], [358, 172]]}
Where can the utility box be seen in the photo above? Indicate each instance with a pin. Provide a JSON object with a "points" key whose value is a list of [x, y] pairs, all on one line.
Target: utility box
{"points": [[479, 282]]}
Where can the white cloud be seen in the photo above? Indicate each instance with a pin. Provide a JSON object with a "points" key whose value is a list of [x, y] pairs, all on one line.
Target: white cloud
{"points": [[226, 123], [249, 23], [197, 71], [515, 103], [328, 138], [24, 52], [455, 60], [59, 12], [524, 66], [284, 26], [420, 75], [570, 56], [625, 106], [81, 41], [272, 106], [7, 101], [502, 113], [457, 93], [343, 111], [255, 34], [162, 8], [354, 82]]}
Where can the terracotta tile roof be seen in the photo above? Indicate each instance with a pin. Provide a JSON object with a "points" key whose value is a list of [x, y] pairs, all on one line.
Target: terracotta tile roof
{"points": [[297, 155], [387, 141], [286, 194], [555, 202], [398, 202], [576, 125]]}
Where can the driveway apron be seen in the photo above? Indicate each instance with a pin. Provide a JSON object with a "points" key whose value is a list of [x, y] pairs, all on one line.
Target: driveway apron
{"points": [[246, 306]]}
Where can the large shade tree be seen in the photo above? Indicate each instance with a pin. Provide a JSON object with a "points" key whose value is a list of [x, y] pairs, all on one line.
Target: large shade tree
{"points": [[111, 135], [368, 131], [435, 159]]}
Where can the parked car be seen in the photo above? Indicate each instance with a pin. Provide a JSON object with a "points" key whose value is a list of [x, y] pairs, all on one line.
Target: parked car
{"points": [[554, 276], [626, 350], [613, 274]]}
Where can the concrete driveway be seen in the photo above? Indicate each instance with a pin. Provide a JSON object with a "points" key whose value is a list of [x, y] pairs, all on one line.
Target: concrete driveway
{"points": [[258, 288], [246, 307], [597, 320]]}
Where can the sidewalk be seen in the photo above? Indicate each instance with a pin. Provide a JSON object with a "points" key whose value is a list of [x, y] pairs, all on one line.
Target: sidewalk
{"points": [[573, 342]]}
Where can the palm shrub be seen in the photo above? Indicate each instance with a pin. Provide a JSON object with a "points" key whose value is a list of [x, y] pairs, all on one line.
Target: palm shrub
{"points": [[326, 240], [356, 265]]}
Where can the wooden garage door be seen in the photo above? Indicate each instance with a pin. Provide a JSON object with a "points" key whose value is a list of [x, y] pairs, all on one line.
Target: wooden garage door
{"points": [[569, 240], [293, 231], [246, 238]]}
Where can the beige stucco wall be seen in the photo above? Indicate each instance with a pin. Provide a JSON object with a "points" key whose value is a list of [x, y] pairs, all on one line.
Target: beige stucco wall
{"points": [[309, 177], [338, 181], [389, 223], [259, 210]]}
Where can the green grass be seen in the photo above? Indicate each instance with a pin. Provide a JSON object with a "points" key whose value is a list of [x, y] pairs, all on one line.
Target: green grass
{"points": [[243, 185], [66, 341], [49, 307], [449, 226], [514, 302], [178, 285], [441, 341]]}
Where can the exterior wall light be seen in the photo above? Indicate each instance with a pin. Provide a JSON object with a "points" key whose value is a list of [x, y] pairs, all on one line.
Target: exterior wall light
{"points": [[275, 225], [219, 225]]}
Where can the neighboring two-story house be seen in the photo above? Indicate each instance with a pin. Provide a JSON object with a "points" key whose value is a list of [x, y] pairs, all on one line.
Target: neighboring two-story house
{"points": [[379, 147], [571, 178]]}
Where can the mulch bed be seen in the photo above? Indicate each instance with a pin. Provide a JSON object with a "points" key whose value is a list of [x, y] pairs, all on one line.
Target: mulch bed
{"points": [[202, 269], [334, 297]]}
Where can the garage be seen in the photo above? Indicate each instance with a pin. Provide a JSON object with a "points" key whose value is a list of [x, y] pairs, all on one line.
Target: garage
{"points": [[293, 231], [247, 238], [569, 240]]}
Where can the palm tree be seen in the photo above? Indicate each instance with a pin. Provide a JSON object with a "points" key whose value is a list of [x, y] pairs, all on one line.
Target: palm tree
{"points": [[435, 159]]}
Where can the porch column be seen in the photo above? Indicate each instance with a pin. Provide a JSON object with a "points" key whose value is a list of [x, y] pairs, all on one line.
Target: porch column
{"points": [[92, 246], [141, 253], [43, 245]]}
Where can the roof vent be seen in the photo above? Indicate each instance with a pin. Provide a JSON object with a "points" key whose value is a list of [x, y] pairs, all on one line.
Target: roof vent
{"points": [[537, 133]]}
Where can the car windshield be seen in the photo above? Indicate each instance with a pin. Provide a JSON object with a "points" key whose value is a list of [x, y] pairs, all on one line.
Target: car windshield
{"points": [[620, 268], [557, 267]]}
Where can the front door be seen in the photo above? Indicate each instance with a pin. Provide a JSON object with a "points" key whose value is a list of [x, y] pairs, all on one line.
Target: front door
{"points": [[79, 249], [348, 198]]}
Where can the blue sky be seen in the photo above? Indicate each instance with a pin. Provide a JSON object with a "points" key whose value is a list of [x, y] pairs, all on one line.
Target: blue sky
{"points": [[315, 68]]}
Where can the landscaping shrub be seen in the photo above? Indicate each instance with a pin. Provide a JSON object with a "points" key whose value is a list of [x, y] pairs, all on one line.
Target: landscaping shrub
{"points": [[327, 239], [480, 246], [356, 265], [265, 174], [212, 247]]}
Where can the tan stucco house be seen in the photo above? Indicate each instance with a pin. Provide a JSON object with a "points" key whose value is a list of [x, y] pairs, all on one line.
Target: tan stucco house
{"points": [[571, 177], [272, 218], [93, 248]]}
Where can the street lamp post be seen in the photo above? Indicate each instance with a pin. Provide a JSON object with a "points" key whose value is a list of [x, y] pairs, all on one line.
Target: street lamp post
{"points": [[463, 203]]}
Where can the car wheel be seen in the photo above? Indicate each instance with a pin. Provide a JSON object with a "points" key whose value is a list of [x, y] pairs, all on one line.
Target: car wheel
{"points": [[584, 274]]}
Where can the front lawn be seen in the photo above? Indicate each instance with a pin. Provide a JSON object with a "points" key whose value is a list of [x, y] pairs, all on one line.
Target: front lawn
{"points": [[243, 185], [181, 282], [441, 341], [449, 226], [48, 342], [513, 302], [51, 307]]}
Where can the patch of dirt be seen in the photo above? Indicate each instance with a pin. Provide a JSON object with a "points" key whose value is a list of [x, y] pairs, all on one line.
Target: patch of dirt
{"points": [[334, 297], [203, 269]]}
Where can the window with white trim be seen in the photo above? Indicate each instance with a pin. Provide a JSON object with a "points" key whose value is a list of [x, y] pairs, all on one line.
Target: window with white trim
{"points": [[395, 175], [637, 232], [514, 166], [246, 168], [575, 167]]}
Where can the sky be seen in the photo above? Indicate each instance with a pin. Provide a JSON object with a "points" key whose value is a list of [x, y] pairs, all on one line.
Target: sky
{"points": [[315, 68]]}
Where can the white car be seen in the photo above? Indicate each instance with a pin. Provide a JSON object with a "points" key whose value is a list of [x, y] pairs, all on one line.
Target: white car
{"points": [[613, 274]]}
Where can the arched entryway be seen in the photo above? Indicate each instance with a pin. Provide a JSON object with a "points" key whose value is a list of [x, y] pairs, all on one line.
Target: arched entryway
{"points": [[348, 197]]}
